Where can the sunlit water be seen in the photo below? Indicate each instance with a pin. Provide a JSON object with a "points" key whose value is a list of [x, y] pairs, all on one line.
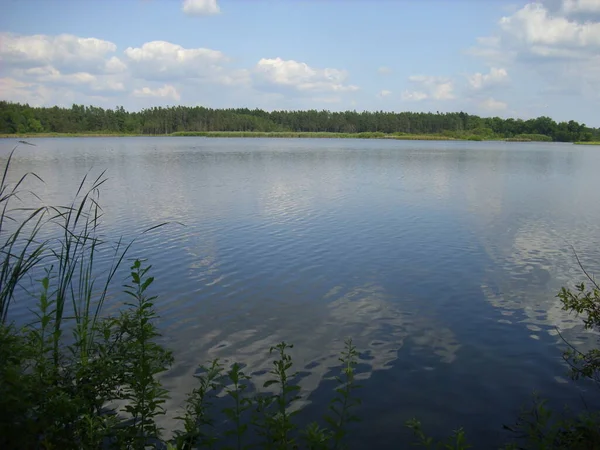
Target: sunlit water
{"points": [[441, 259]]}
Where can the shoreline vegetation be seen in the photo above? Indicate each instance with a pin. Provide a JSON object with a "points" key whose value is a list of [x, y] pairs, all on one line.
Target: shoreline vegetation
{"points": [[293, 135], [22, 120]]}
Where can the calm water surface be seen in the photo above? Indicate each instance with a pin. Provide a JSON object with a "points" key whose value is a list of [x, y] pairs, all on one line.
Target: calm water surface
{"points": [[440, 259]]}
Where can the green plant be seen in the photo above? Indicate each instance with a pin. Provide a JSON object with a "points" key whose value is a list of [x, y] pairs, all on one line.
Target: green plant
{"points": [[272, 418], [143, 391], [540, 428], [584, 302], [55, 386], [532, 137], [198, 417], [344, 401], [315, 437], [457, 441], [21, 250], [239, 383]]}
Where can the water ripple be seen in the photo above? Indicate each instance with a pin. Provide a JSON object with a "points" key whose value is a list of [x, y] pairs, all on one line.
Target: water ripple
{"points": [[440, 259]]}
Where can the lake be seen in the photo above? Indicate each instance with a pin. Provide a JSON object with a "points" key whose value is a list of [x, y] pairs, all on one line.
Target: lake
{"points": [[441, 260]]}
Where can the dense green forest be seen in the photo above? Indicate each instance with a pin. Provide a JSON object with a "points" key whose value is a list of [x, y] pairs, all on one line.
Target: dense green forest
{"points": [[17, 118]]}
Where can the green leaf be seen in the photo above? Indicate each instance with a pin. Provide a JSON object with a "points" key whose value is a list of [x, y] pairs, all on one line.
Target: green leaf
{"points": [[270, 383]]}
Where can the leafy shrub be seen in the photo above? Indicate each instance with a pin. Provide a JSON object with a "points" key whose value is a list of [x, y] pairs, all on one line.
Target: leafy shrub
{"points": [[533, 137]]}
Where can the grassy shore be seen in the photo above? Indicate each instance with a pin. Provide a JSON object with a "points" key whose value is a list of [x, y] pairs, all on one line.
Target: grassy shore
{"points": [[313, 135], [63, 135], [299, 134], [247, 134]]}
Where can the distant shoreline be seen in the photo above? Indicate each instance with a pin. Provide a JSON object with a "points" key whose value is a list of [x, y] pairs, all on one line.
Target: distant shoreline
{"points": [[63, 135], [282, 134], [242, 134]]}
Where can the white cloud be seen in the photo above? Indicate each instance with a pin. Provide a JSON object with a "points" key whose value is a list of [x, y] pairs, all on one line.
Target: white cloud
{"points": [[234, 78], [161, 60], [580, 6], [491, 104], [300, 77], [414, 96], [539, 31], [108, 86], [480, 81], [326, 99], [492, 50], [67, 53], [57, 69], [436, 88], [115, 65], [384, 93], [51, 75], [384, 70], [80, 81], [167, 92], [9, 84], [24, 92], [200, 7], [557, 42]]}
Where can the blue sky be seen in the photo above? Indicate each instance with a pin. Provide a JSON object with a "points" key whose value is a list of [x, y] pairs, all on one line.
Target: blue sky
{"points": [[493, 57]]}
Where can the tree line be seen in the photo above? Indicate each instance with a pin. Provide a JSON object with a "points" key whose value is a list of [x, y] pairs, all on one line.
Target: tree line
{"points": [[22, 118]]}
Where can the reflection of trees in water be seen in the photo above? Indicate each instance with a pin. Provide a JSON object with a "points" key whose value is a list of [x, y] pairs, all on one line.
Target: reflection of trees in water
{"points": [[378, 326]]}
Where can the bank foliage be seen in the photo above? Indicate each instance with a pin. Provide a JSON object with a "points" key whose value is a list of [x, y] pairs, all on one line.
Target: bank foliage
{"points": [[19, 118]]}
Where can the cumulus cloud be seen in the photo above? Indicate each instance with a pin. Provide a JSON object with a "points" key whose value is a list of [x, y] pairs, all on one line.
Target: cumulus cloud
{"points": [[384, 70], [88, 70], [428, 87], [65, 52], [81, 81], [39, 94], [51, 75], [579, 7], [543, 33], [492, 51], [327, 100], [115, 65], [200, 7], [557, 41], [536, 31], [234, 78], [167, 92], [19, 91], [161, 60], [299, 77], [414, 96], [384, 93], [480, 81], [491, 104]]}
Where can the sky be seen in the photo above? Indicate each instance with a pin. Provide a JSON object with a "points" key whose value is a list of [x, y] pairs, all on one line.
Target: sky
{"points": [[486, 57]]}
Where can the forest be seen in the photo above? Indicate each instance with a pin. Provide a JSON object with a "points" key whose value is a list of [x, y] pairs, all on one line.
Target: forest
{"points": [[18, 118]]}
